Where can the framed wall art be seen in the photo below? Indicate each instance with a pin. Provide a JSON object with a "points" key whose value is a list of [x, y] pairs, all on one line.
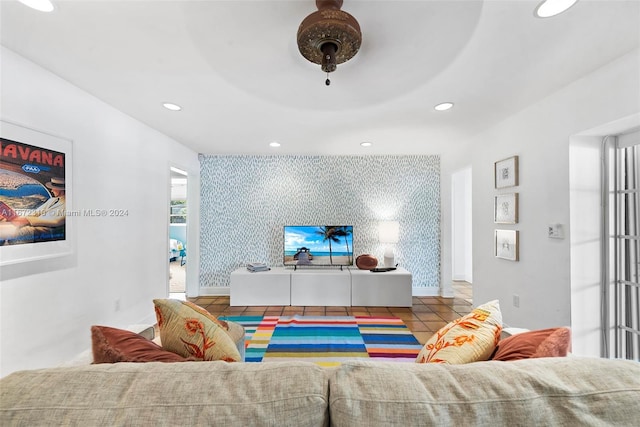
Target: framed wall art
{"points": [[35, 194], [505, 208], [506, 172], [507, 244]]}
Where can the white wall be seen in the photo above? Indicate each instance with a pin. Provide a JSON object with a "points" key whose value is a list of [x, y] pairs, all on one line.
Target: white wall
{"points": [[540, 136], [585, 245], [119, 264]]}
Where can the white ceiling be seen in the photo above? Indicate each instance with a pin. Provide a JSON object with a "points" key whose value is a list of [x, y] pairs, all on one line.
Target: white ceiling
{"points": [[234, 67]]}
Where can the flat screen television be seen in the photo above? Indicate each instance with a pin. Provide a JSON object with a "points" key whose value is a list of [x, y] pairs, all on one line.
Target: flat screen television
{"points": [[318, 245]]}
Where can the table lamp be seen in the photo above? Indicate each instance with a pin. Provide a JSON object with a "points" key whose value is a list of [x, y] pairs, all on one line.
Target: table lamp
{"points": [[389, 233]]}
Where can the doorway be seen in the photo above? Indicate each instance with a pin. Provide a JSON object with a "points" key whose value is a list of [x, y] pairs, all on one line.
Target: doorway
{"points": [[461, 234], [178, 245]]}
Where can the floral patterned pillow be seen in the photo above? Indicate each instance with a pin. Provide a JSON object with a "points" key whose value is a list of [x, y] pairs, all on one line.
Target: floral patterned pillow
{"points": [[471, 338], [191, 331]]}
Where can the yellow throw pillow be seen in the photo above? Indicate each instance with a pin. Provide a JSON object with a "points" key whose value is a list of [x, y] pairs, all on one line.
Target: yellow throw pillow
{"points": [[191, 331], [471, 338]]}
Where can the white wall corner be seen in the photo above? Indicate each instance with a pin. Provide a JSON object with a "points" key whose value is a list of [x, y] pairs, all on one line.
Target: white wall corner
{"points": [[447, 292]]}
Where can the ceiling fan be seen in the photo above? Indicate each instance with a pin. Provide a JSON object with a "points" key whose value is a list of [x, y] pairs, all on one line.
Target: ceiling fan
{"points": [[329, 36]]}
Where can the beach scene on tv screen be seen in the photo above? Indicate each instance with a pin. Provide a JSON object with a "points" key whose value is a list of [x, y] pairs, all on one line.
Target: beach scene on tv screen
{"points": [[318, 245]]}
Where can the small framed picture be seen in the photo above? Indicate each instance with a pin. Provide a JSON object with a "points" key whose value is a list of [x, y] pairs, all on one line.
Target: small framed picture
{"points": [[507, 245], [506, 172], [505, 208]]}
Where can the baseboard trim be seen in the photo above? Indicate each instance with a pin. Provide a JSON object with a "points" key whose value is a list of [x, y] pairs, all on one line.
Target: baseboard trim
{"points": [[447, 293], [214, 291], [225, 291], [425, 291]]}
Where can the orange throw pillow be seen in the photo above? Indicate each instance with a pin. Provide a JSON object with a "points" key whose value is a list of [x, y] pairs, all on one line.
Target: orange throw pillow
{"points": [[551, 342], [111, 345]]}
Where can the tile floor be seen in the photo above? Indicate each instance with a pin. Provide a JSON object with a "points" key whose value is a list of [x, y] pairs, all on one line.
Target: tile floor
{"points": [[426, 316], [463, 290]]}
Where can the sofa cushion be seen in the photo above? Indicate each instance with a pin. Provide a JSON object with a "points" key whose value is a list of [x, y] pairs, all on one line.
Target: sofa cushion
{"points": [[551, 342], [546, 392], [168, 394], [470, 338], [112, 345], [191, 331]]}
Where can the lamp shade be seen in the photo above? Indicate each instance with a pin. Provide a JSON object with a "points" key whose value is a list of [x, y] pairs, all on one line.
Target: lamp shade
{"points": [[388, 231]]}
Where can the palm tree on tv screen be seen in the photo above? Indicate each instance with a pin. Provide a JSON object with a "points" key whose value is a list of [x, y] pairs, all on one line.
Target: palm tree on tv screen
{"points": [[328, 233], [344, 231]]}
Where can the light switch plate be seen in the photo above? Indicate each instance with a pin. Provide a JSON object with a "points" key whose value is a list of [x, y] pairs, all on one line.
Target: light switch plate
{"points": [[555, 231]]}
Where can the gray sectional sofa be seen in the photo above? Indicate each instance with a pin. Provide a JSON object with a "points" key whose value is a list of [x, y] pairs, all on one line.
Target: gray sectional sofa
{"points": [[548, 391]]}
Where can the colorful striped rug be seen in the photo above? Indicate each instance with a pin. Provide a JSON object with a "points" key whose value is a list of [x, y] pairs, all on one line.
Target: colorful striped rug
{"points": [[326, 340]]}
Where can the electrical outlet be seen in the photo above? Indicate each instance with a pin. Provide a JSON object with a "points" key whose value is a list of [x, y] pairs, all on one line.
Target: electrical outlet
{"points": [[516, 301]]}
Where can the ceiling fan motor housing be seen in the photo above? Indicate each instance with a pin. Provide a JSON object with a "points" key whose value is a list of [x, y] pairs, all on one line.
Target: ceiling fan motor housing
{"points": [[329, 36]]}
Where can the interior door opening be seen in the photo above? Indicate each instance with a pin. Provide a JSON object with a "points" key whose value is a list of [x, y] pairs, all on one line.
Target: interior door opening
{"points": [[178, 245], [461, 234]]}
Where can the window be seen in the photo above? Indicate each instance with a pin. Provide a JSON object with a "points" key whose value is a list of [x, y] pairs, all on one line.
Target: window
{"points": [[178, 212], [621, 302]]}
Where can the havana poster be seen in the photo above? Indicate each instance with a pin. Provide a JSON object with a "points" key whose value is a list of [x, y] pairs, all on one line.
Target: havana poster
{"points": [[32, 194], [35, 194]]}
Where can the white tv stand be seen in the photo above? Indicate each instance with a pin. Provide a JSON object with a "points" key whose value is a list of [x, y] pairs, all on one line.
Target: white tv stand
{"points": [[327, 286], [321, 287]]}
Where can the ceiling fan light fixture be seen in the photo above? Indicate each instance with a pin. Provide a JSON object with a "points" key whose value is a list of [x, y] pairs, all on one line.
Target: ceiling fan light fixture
{"points": [[549, 8], [329, 36]]}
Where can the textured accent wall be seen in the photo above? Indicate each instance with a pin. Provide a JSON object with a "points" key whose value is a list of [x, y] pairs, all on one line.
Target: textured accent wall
{"points": [[246, 201]]}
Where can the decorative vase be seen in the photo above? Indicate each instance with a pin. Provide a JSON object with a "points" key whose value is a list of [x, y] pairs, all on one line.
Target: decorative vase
{"points": [[366, 262]]}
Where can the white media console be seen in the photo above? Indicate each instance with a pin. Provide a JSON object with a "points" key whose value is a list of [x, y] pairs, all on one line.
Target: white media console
{"points": [[319, 287]]}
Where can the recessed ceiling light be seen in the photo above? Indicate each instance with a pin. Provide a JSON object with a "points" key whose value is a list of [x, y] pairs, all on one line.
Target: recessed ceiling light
{"points": [[41, 5], [443, 106], [172, 107], [366, 144], [274, 144], [549, 8]]}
